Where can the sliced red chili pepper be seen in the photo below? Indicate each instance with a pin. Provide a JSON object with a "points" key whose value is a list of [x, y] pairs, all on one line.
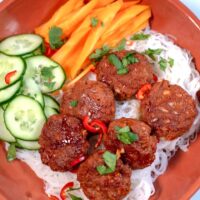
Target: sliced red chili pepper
{"points": [[144, 89], [63, 192], [88, 127], [77, 161], [102, 130], [155, 78], [48, 50], [9, 75], [52, 197]]}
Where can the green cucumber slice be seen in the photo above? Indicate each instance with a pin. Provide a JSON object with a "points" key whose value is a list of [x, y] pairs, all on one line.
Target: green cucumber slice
{"points": [[10, 64], [24, 118], [19, 45], [48, 74], [4, 132], [7, 93], [51, 102], [49, 111], [30, 145]]}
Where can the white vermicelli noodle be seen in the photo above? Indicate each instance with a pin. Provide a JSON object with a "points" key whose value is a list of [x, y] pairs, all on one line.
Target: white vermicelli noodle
{"points": [[183, 73]]}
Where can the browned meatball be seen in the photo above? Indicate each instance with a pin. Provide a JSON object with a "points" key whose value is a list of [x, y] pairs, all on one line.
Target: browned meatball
{"points": [[126, 85], [169, 110], [113, 186], [138, 154], [92, 98], [62, 141]]}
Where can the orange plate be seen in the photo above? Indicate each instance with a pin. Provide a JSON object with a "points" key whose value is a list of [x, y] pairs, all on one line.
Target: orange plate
{"points": [[18, 181]]}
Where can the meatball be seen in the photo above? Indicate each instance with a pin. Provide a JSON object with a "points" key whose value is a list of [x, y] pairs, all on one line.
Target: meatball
{"points": [[62, 141], [126, 85], [113, 186], [139, 153], [169, 110], [93, 98]]}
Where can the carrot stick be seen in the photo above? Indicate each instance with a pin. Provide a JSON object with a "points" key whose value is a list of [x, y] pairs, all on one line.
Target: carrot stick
{"points": [[129, 4], [122, 17], [57, 17], [105, 16]]}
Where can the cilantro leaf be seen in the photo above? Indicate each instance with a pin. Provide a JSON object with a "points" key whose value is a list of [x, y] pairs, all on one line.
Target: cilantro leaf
{"points": [[11, 154], [99, 53], [55, 40], [50, 85], [114, 60], [122, 71], [163, 64], [73, 197], [74, 103], [47, 72], [110, 160], [125, 135], [94, 21], [121, 45], [140, 36], [171, 62], [152, 52]]}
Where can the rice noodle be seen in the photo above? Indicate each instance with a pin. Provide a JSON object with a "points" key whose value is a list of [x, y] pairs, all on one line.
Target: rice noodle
{"points": [[182, 73]]}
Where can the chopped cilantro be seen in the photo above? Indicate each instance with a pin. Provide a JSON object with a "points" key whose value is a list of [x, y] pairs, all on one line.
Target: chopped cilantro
{"points": [[55, 39], [74, 103], [171, 62], [47, 72], [163, 64], [94, 21], [125, 135], [110, 160], [50, 85], [114, 60], [122, 71], [121, 45], [152, 52], [11, 154], [140, 36], [99, 53]]}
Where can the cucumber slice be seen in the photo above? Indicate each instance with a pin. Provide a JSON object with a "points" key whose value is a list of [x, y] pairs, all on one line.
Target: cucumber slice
{"points": [[30, 88], [9, 64], [24, 118], [51, 102], [48, 74], [19, 45], [4, 133], [4, 106], [49, 111], [30, 145], [7, 93]]}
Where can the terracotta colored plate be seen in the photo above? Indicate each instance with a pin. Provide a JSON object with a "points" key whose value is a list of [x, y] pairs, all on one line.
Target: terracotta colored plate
{"points": [[18, 181]]}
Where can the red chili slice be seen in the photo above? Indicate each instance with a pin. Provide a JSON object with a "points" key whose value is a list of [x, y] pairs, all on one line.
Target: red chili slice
{"points": [[77, 161], [87, 125], [142, 91], [63, 192], [155, 78], [52, 197], [9, 75], [48, 50]]}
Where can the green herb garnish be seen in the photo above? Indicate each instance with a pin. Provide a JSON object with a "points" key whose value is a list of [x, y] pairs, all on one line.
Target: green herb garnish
{"points": [[152, 52], [114, 60], [140, 36], [55, 39], [94, 21], [121, 45], [171, 62], [122, 71], [99, 53], [11, 154], [74, 103], [47, 72], [125, 135], [73, 197], [110, 160], [50, 85], [163, 64]]}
